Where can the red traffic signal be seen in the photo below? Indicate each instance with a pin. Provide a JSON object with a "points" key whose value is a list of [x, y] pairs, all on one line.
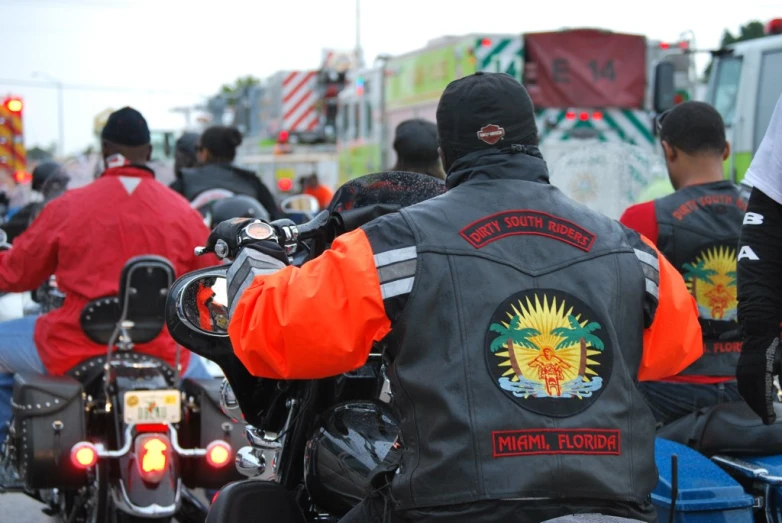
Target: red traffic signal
{"points": [[14, 105]]}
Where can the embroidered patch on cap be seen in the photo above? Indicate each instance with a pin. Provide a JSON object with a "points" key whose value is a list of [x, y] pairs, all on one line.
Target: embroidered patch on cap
{"points": [[491, 134], [549, 352], [529, 442]]}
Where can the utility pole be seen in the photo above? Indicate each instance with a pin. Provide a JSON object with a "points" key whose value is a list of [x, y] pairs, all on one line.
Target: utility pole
{"points": [[60, 111], [359, 53]]}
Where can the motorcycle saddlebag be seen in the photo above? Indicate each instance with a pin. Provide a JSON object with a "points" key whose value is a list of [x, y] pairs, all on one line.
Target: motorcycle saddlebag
{"points": [[204, 425], [48, 421]]}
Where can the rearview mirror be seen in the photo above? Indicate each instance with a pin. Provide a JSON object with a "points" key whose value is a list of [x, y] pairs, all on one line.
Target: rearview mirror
{"points": [[300, 203], [664, 90], [4, 245], [203, 304]]}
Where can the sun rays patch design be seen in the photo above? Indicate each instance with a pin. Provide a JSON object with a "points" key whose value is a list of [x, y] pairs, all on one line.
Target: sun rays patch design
{"points": [[549, 352]]}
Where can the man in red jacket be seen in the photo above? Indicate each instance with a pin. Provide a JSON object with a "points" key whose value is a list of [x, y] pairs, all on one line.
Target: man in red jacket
{"points": [[84, 238]]}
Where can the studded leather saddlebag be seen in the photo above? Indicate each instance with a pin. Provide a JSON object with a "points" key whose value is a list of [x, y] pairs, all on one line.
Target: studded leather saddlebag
{"points": [[48, 421]]}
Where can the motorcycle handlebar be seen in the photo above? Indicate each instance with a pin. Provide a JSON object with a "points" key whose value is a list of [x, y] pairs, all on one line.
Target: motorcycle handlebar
{"points": [[288, 234]]}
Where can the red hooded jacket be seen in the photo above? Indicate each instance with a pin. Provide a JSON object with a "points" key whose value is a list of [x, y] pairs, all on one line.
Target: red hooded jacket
{"points": [[84, 238]]}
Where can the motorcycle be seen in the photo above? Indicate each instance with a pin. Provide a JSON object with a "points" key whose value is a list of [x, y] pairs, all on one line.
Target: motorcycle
{"points": [[340, 428], [120, 437]]}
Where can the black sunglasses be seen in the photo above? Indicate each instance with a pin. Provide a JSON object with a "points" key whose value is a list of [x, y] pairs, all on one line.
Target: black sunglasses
{"points": [[658, 120]]}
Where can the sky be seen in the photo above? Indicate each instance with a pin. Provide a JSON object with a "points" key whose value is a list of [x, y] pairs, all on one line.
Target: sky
{"points": [[159, 54]]}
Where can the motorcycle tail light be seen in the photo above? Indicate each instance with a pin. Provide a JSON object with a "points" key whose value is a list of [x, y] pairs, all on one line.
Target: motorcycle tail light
{"points": [[218, 453], [84, 455], [152, 455]]}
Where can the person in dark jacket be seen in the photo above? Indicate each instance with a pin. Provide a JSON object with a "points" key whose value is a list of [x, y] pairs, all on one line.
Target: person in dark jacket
{"points": [[49, 180], [516, 396], [697, 229], [760, 276], [184, 156], [415, 144], [215, 177]]}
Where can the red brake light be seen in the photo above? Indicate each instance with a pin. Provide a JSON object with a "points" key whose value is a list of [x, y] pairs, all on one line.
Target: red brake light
{"points": [[84, 455], [597, 115], [570, 115], [684, 45], [486, 42], [218, 453], [152, 452], [23, 177], [14, 105], [283, 137], [665, 45], [583, 116], [774, 26], [285, 184]]}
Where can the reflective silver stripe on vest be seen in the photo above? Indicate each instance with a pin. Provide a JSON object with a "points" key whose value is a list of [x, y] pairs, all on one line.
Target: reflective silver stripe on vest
{"points": [[648, 259], [651, 288], [651, 267], [396, 271]]}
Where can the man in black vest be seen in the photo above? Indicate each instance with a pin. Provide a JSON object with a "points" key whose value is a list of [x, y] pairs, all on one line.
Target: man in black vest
{"points": [[516, 323], [697, 229]]}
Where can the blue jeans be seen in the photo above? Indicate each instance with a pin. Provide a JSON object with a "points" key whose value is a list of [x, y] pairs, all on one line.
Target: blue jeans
{"points": [[19, 354], [671, 401]]}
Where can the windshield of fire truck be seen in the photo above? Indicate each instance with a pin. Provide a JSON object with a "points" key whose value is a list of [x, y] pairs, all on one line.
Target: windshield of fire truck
{"points": [[723, 91]]}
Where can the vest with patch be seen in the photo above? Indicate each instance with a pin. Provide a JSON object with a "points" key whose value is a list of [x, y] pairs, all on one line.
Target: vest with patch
{"points": [[699, 232], [515, 357], [198, 180]]}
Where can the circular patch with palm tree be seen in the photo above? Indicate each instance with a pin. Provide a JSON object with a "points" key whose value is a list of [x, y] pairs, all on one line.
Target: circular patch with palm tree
{"points": [[710, 276], [549, 351]]}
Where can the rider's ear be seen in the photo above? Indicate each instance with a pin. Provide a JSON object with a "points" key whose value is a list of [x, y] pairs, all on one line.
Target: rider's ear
{"points": [[670, 152], [726, 151], [149, 152]]}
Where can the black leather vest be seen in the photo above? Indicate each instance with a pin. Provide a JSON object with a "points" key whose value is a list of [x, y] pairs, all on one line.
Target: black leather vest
{"points": [[699, 233], [516, 356], [197, 180]]}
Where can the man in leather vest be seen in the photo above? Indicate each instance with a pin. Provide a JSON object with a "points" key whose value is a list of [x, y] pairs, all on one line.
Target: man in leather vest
{"points": [[697, 229], [516, 323], [215, 177]]}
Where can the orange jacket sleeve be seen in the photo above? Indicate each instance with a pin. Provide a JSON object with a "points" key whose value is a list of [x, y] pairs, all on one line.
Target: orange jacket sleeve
{"points": [[674, 339], [315, 321]]}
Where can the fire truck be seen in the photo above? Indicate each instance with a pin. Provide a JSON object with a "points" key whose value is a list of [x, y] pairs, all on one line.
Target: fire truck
{"points": [[744, 86], [588, 85], [13, 156], [298, 112]]}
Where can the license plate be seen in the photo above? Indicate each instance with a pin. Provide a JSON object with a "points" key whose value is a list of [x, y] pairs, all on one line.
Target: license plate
{"points": [[152, 406]]}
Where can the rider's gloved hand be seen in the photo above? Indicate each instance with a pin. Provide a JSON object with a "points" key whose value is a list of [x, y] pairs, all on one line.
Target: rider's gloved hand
{"points": [[228, 231], [758, 364], [265, 257]]}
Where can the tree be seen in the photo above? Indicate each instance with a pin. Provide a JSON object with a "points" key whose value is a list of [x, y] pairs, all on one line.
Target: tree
{"points": [[579, 334], [698, 272], [748, 31], [233, 92], [732, 276], [512, 334]]}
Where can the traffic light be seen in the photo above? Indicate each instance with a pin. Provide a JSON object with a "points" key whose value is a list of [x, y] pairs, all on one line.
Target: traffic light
{"points": [[13, 104]]}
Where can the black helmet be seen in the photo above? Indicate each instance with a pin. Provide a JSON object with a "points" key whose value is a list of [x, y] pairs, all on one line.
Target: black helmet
{"points": [[239, 206], [44, 171]]}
